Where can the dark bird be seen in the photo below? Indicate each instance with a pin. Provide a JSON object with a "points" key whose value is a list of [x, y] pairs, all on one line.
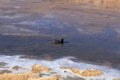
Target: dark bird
{"points": [[59, 41]]}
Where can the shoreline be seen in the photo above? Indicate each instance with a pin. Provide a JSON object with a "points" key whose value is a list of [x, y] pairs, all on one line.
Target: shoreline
{"points": [[24, 65]]}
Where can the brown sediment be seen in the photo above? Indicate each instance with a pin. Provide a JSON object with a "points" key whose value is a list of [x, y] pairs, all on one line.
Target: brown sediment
{"points": [[21, 76], [32, 75], [38, 68], [85, 72], [54, 77], [27, 76]]}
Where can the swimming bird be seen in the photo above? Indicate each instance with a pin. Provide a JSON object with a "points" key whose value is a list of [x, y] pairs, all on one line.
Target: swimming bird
{"points": [[59, 41]]}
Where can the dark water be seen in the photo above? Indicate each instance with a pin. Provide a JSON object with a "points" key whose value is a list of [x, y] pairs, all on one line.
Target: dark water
{"points": [[91, 48]]}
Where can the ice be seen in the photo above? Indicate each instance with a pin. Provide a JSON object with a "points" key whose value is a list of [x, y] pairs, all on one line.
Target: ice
{"points": [[25, 63]]}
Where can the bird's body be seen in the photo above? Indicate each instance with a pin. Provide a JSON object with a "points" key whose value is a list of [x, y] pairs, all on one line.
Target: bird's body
{"points": [[59, 41]]}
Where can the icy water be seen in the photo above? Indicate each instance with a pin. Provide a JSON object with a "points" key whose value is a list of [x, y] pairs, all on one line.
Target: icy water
{"points": [[92, 35]]}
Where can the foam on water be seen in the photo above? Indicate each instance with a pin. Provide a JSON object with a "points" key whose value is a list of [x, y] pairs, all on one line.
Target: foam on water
{"points": [[55, 65]]}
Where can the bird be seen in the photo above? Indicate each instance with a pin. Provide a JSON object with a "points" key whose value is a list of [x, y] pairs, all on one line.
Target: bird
{"points": [[59, 41]]}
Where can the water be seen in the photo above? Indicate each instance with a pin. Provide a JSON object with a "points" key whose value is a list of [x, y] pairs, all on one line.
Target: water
{"points": [[91, 34]]}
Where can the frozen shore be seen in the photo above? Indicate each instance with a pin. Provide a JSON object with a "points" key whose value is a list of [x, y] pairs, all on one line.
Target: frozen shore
{"points": [[62, 68]]}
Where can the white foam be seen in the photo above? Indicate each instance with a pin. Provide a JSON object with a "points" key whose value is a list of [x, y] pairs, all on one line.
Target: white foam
{"points": [[55, 65]]}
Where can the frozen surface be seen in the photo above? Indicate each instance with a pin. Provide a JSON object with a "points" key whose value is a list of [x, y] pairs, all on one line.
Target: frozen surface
{"points": [[55, 65]]}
